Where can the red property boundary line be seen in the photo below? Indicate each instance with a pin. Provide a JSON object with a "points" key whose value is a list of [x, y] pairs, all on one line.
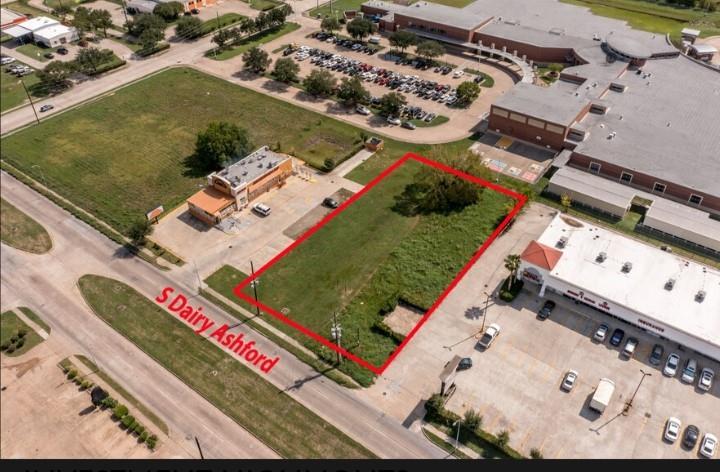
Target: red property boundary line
{"points": [[519, 198]]}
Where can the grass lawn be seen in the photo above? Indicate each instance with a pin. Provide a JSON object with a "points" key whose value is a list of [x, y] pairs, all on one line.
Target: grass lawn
{"points": [[378, 255], [487, 83], [258, 406], [22, 232], [12, 93], [436, 122], [10, 326], [23, 7], [262, 5], [85, 153], [251, 41], [220, 22], [35, 318], [34, 52], [654, 17], [445, 446], [338, 7]]}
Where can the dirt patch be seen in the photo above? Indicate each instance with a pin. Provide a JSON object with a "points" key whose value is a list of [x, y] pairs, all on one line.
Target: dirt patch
{"points": [[403, 319], [311, 218], [24, 367]]}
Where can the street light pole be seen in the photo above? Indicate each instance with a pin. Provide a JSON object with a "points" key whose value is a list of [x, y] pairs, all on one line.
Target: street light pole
{"points": [[254, 284], [629, 403], [487, 301], [457, 436]]}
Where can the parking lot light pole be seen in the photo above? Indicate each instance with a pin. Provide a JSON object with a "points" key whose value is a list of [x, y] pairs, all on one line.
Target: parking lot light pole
{"points": [[254, 284], [457, 435], [629, 403], [487, 301]]}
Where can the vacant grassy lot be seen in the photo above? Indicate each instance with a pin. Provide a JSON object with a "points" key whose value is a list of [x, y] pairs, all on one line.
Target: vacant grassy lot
{"points": [[10, 326], [12, 93], [654, 17], [253, 40], [367, 258], [34, 52], [269, 413], [121, 155], [22, 232]]}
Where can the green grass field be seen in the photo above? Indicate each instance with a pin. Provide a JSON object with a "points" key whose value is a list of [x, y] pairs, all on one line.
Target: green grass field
{"points": [[368, 256], [220, 22], [35, 318], [241, 393], [262, 5], [34, 52], [12, 93], [251, 41], [10, 324], [22, 232], [119, 156]]}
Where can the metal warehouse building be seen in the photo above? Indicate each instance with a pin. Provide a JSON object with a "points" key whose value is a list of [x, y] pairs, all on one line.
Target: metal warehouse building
{"points": [[658, 292]]}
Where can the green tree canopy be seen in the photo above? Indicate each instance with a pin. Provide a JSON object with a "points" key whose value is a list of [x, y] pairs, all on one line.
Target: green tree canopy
{"points": [[101, 20], [429, 49], [352, 92], [403, 39], [82, 21], [55, 77], [188, 27], [223, 37], [145, 21], [359, 28], [320, 83], [286, 70], [139, 230], [256, 60], [390, 103], [220, 144], [467, 92], [330, 24], [89, 59], [168, 11]]}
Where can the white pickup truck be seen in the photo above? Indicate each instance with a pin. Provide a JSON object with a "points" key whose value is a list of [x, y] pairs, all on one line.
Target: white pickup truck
{"points": [[602, 396]]}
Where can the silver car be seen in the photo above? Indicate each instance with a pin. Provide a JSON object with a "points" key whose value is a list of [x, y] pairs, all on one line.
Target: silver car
{"points": [[706, 379], [569, 380], [671, 365], [601, 332]]}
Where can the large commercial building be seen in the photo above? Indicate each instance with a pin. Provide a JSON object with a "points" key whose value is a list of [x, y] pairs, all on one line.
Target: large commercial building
{"points": [[42, 30], [628, 108], [658, 292], [234, 187]]}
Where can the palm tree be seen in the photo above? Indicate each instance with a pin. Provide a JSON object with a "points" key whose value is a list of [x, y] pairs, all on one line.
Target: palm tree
{"points": [[512, 264]]}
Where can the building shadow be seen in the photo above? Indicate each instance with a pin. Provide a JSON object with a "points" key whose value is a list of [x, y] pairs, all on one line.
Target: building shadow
{"points": [[418, 413]]}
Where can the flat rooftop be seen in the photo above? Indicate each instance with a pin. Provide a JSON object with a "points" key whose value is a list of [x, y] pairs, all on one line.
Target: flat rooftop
{"points": [[557, 104], [642, 289], [434, 12], [252, 166]]}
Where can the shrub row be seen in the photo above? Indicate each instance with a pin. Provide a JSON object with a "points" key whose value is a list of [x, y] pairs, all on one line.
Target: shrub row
{"points": [[17, 341], [154, 50], [121, 413], [108, 66]]}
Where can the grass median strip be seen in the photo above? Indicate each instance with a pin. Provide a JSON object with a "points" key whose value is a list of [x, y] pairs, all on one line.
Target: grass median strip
{"points": [[251, 41], [22, 232], [16, 337], [254, 403], [35, 318]]}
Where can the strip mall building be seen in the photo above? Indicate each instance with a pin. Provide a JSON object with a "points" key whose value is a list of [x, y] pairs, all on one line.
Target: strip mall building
{"points": [[653, 290]]}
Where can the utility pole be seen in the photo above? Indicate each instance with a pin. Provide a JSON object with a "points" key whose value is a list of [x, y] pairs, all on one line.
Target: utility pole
{"points": [[37, 118], [124, 9], [336, 332], [629, 403], [457, 436], [254, 284], [487, 301]]}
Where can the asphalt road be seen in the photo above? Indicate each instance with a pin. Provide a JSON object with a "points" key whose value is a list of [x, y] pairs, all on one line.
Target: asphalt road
{"points": [[48, 282]]}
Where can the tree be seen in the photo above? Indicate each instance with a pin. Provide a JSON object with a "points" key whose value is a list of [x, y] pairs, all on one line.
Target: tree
{"points": [[221, 143], [247, 25], [403, 40], [512, 264], [359, 28], [390, 103], [565, 202], [503, 438], [330, 24], [168, 11], [62, 11], [261, 21], [120, 411], [55, 77], [276, 16], [139, 230], [467, 92], [320, 83], [472, 420], [150, 38], [429, 49], [535, 453], [352, 92], [143, 22], [89, 59], [256, 60], [222, 37], [101, 20], [286, 70], [82, 21], [188, 27]]}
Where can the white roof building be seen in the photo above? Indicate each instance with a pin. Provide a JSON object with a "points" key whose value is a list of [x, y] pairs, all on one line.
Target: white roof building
{"points": [[55, 35], [30, 26], [657, 291]]}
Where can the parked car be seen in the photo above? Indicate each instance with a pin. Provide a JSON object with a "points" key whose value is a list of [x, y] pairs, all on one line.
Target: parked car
{"points": [[706, 379], [45, 108], [408, 125], [394, 121], [630, 347], [569, 380], [465, 363], [671, 365], [617, 337], [362, 110], [6, 60], [690, 438], [689, 372], [62, 50], [601, 332], [656, 354], [490, 334], [458, 73], [708, 445], [672, 429], [546, 309], [262, 209], [330, 203], [195, 11]]}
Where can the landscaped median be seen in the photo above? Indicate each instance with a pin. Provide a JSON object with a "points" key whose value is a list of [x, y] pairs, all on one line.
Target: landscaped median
{"points": [[252, 40], [16, 337], [275, 418], [22, 232]]}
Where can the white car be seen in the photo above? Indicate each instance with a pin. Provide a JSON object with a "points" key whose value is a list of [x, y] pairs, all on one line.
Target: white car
{"points": [[458, 73], [601, 332], [490, 334], [708, 445], [672, 429], [7, 60], [689, 372], [394, 121], [706, 379], [262, 209], [671, 365], [362, 110], [569, 380]]}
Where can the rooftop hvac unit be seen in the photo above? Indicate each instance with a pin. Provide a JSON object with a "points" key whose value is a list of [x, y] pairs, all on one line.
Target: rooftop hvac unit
{"points": [[670, 284], [601, 257], [700, 296], [562, 242], [627, 267]]}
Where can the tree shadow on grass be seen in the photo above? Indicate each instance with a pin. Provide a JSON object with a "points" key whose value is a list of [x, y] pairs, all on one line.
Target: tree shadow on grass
{"points": [[194, 168], [273, 85]]}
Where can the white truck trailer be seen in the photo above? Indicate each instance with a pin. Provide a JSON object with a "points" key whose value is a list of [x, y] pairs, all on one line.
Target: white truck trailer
{"points": [[602, 396]]}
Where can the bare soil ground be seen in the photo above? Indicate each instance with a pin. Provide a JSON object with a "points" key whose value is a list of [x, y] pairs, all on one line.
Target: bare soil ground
{"points": [[403, 319]]}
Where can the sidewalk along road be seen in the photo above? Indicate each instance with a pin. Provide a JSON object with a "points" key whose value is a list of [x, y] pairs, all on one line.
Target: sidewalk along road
{"points": [[79, 250]]}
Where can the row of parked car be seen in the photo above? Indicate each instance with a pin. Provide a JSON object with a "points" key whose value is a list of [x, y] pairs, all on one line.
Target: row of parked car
{"points": [[19, 70], [356, 46], [708, 446]]}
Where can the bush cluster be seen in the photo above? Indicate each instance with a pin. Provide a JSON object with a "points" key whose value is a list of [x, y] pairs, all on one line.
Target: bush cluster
{"points": [[515, 287]]}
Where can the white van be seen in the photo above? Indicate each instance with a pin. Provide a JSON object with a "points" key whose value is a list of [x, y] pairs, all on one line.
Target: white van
{"points": [[374, 40]]}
